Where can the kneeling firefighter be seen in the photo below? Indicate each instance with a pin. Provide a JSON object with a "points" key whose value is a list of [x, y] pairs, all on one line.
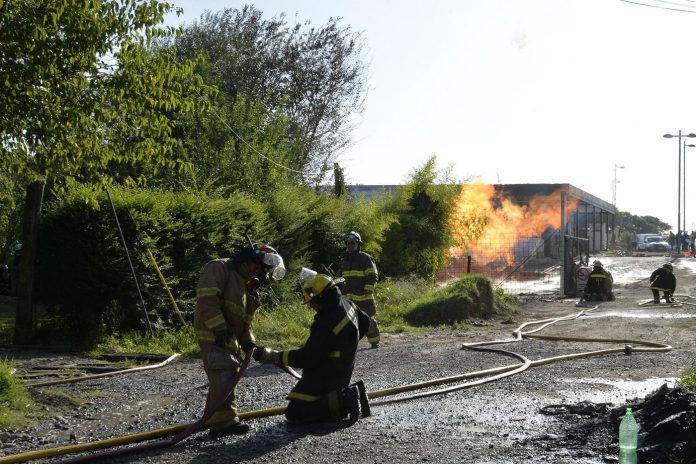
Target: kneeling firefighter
{"points": [[599, 286], [327, 359], [662, 280], [226, 300]]}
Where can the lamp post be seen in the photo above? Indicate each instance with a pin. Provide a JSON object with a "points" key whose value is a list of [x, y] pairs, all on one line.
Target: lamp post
{"points": [[684, 203], [669, 136], [613, 192]]}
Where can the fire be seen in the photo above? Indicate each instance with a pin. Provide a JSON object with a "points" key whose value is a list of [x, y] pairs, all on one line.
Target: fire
{"points": [[491, 227]]}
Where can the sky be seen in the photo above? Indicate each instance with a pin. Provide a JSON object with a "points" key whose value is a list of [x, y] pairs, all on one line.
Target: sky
{"points": [[520, 91]]}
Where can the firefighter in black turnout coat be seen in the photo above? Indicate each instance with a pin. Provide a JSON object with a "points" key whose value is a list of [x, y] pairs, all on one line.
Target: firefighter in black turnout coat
{"points": [[663, 280], [599, 286], [324, 392]]}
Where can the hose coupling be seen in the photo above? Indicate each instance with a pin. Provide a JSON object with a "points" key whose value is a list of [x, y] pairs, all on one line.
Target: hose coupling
{"points": [[628, 349]]}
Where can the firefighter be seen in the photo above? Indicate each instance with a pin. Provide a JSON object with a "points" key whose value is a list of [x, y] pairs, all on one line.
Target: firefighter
{"points": [[360, 274], [226, 299], [663, 280], [599, 286], [324, 392]]}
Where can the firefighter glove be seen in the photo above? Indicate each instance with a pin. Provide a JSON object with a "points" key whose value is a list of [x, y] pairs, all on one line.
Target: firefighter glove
{"points": [[247, 346], [252, 287], [223, 336], [266, 355]]}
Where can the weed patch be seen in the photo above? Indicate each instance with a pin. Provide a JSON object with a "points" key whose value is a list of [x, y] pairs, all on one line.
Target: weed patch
{"points": [[469, 297], [15, 401]]}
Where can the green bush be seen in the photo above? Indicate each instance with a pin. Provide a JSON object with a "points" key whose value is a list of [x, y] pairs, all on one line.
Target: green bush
{"points": [[688, 377], [417, 241], [470, 296], [83, 272], [15, 402]]}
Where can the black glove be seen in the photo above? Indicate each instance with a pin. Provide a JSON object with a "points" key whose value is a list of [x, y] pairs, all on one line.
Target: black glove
{"points": [[252, 287], [247, 346], [223, 336], [266, 355]]}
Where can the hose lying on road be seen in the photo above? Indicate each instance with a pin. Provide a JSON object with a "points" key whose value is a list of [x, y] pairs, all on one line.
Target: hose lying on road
{"points": [[488, 375], [106, 374]]}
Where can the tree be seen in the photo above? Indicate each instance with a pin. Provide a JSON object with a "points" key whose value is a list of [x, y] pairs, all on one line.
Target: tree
{"points": [[418, 241], [82, 89], [315, 76]]}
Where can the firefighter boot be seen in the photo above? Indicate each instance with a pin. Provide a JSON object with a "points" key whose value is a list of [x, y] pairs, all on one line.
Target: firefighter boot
{"points": [[233, 427], [668, 297], [364, 403], [656, 297], [350, 397]]}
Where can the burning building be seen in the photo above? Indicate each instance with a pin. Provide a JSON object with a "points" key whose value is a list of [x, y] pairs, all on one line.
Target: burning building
{"points": [[512, 233]]}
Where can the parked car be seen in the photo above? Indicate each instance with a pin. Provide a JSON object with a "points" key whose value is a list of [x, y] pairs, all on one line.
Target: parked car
{"points": [[656, 243]]}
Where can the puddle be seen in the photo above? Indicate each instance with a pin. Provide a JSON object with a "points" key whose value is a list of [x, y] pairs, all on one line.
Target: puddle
{"points": [[616, 391], [642, 314]]}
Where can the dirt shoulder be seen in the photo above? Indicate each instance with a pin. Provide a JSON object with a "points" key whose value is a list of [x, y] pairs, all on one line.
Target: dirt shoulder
{"points": [[496, 422]]}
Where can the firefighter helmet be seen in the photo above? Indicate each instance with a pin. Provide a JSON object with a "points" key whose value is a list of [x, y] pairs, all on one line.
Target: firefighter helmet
{"points": [[270, 260], [668, 266], [313, 284], [597, 263], [353, 236]]}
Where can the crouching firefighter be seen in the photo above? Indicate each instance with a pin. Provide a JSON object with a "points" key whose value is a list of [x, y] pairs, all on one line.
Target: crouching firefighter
{"points": [[599, 286], [324, 392], [226, 300], [662, 280]]}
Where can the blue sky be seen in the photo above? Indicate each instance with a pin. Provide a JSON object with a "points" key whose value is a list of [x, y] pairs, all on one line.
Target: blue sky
{"points": [[520, 91]]}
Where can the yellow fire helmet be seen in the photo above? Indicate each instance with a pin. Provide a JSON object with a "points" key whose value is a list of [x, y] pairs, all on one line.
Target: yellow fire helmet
{"points": [[313, 284]]}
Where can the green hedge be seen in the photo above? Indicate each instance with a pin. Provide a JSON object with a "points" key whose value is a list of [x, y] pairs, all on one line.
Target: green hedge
{"points": [[83, 273]]}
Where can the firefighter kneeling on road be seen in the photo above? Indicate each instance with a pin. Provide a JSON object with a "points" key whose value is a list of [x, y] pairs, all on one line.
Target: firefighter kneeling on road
{"points": [[226, 300], [599, 286], [663, 280], [327, 358]]}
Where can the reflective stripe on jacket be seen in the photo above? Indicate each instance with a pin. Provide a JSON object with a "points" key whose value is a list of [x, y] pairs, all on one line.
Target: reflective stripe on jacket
{"points": [[360, 272]]}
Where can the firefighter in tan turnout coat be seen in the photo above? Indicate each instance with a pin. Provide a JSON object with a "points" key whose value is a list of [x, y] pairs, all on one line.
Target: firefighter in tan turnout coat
{"points": [[360, 274], [226, 300]]}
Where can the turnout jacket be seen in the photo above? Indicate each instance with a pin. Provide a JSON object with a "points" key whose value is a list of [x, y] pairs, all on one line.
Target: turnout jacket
{"points": [[600, 281], [360, 272], [328, 357], [662, 279], [221, 298]]}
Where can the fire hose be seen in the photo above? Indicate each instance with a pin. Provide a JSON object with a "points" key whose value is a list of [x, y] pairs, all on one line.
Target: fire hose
{"points": [[484, 376]]}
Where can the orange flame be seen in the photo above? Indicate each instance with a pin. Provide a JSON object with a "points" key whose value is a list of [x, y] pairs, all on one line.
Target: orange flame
{"points": [[489, 226]]}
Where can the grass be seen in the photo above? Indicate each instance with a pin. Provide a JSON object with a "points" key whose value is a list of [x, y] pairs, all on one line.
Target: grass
{"points": [[15, 401], [688, 376], [166, 342]]}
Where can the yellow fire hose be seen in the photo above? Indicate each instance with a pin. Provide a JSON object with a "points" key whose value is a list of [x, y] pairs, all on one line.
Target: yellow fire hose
{"points": [[492, 374]]}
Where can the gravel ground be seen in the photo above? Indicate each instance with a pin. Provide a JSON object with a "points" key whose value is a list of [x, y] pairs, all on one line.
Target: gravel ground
{"points": [[498, 422]]}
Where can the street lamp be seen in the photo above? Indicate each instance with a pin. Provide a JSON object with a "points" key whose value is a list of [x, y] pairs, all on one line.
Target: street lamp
{"points": [[669, 136], [685, 145], [613, 192]]}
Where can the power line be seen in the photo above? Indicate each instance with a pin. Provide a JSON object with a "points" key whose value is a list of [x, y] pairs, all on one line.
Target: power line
{"points": [[662, 7]]}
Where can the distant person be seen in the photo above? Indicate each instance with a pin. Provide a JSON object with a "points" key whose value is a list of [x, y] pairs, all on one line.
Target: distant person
{"points": [[671, 240], [599, 286], [324, 392], [693, 244], [663, 280], [360, 274]]}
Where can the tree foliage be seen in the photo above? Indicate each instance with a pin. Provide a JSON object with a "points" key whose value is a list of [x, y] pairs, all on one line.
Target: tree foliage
{"points": [[640, 224], [82, 88], [417, 242], [315, 76]]}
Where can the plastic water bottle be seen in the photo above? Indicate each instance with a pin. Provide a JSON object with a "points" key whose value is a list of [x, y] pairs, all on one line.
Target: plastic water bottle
{"points": [[628, 439]]}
